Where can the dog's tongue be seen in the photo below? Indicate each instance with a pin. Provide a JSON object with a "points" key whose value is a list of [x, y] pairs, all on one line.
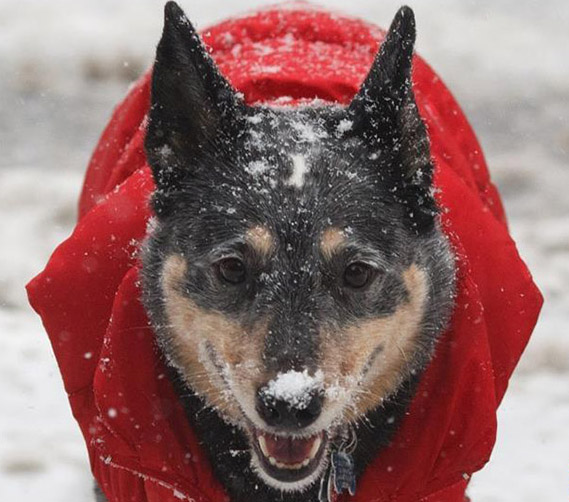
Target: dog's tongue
{"points": [[287, 450]]}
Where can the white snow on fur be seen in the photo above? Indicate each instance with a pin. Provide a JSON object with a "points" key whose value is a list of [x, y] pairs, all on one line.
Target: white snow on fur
{"points": [[344, 125], [257, 167], [299, 169], [309, 132], [294, 387]]}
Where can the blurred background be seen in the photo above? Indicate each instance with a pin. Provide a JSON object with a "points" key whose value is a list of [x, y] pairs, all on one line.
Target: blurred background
{"points": [[64, 64]]}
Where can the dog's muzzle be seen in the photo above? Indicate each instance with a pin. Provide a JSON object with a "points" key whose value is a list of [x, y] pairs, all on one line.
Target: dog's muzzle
{"points": [[289, 455]]}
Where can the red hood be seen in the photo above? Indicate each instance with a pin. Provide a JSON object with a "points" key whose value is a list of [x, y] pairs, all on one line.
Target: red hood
{"points": [[140, 444]]}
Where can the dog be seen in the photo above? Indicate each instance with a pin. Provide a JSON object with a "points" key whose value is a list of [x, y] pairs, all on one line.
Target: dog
{"points": [[327, 303], [301, 248]]}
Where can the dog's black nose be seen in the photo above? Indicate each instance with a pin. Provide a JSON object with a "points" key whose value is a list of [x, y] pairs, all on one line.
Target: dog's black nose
{"points": [[290, 415]]}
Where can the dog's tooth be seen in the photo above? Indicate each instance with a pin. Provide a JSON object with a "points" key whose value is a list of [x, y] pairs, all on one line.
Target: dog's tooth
{"points": [[273, 461], [294, 467], [315, 448], [263, 445]]}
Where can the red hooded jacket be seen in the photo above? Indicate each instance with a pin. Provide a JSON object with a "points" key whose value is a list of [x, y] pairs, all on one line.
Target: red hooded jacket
{"points": [[140, 444]]}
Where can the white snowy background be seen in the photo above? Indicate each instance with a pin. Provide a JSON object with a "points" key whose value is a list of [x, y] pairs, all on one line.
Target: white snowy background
{"points": [[65, 64]]}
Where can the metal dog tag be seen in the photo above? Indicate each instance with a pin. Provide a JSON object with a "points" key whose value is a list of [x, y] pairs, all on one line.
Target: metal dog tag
{"points": [[338, 478], [342, 472]]}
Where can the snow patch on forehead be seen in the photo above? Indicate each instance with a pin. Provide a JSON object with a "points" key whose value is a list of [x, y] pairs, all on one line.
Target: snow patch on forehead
{"points": [[257, 167], [344, 125], [309, 132], [255, 119], [294, 387], [299, 170]]}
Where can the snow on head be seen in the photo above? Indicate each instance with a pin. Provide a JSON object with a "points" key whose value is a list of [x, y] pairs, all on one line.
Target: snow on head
{"points": [[165, 151], [257, 167], [299, 169], [344, 125], [255, 119], [294, 387], [308, 132]]}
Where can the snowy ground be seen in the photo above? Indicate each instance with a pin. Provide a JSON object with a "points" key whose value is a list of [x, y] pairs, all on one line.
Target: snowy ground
{"points": [[64, 64]]}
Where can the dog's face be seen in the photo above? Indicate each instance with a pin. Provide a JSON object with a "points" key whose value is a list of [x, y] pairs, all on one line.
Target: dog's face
{"points": [[296, 260]]}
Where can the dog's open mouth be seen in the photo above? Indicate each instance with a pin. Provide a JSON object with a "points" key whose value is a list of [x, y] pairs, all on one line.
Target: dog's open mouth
{"points": [[289, 459]]}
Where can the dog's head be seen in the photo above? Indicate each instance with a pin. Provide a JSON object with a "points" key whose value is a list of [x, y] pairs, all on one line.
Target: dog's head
{"points": [[297, 274]]}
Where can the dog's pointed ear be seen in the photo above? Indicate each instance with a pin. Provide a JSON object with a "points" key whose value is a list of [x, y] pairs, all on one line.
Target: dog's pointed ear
{"points": [[385, 114], [389, 79], [192, 104]]}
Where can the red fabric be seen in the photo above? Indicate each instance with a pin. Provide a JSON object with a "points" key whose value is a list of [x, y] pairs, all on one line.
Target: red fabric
{"points": [[140, 444]]}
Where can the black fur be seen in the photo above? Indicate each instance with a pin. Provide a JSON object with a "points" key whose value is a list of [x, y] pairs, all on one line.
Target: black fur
{"points": [[221, 166], [192, 104], [385, 113]]}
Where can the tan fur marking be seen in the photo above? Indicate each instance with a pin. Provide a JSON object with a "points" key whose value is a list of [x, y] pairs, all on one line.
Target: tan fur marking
{"points": [[195, 332], [331, 240], [397, 334], [261, 239]]}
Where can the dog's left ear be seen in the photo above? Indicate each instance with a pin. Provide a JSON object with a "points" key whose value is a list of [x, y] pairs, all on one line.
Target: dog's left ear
{"points": [[193, 107], [385, 114]]}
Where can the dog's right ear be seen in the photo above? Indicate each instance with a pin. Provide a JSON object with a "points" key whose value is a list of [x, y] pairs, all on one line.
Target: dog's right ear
{"points": [[192, 104], [386, 115]]}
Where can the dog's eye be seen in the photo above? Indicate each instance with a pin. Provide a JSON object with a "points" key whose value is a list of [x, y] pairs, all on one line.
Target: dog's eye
{"points": [[232, 270], [358, 274]]}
